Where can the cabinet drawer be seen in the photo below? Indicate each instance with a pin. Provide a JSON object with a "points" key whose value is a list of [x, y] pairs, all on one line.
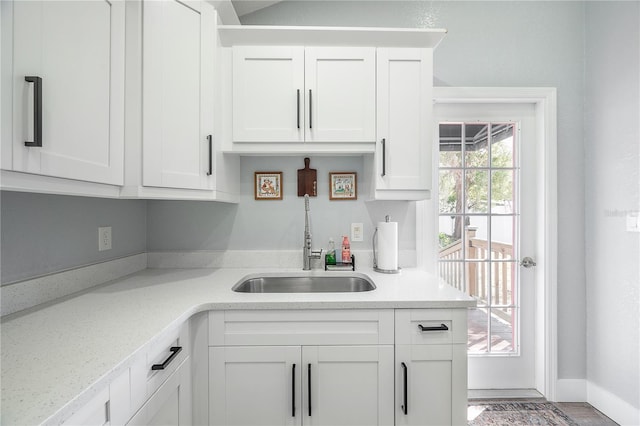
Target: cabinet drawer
{"points": [[325, 327], [430, 326], [144, 379]]}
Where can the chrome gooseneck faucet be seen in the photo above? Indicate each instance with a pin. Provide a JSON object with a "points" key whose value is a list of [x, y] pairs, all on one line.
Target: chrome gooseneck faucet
{"points": [[307, 252]]}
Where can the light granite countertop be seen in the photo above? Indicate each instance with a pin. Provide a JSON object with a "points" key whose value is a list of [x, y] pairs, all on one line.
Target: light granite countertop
{"points": [[56, 356]]}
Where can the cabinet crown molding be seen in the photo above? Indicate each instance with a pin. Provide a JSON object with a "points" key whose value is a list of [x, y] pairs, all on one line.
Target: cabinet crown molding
{"points": [[265, 35]]}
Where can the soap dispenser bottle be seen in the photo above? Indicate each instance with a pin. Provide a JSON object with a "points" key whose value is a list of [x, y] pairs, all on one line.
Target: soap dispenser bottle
{"points": [[330, 258], [346, 250]]}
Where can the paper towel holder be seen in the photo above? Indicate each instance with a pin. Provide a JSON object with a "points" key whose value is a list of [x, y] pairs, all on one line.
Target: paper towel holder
{"points": [[387, 218]]}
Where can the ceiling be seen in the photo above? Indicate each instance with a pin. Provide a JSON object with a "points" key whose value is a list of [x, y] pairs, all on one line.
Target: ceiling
{"points": [[244, 7]]}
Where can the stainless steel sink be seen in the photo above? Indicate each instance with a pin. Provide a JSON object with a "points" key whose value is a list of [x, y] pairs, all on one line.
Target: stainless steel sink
{"points": [[304, 284]]}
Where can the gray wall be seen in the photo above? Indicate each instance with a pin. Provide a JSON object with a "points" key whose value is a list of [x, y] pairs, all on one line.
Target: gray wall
{"points": [[612, 116], [276, 225], [48, 233], [500, 44]]}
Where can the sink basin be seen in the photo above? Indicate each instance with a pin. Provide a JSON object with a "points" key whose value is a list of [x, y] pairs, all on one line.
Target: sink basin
{"points": [[304, 284]]}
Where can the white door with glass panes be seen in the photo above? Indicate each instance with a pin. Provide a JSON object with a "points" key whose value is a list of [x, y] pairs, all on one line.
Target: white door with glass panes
{"points": [[486, 226], [178, 93]]}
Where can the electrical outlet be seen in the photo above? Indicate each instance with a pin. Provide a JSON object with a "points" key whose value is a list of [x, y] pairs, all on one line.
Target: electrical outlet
{"points": [[357, 230], [104, 238]]}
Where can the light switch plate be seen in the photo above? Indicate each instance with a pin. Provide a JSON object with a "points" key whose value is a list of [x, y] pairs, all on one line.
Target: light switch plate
{"points": [[357, 231]]}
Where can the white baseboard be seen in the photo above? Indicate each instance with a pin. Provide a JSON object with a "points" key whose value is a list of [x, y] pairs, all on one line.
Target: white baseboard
{"points": [[29, 293], [571, 390], [612, 406]]}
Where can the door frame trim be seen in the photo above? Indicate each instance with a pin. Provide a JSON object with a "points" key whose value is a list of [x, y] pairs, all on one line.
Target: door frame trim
{"points": [[544, 100]]}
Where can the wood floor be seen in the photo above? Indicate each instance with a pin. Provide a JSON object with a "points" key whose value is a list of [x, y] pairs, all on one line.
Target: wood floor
{"points": [[584, 414]]}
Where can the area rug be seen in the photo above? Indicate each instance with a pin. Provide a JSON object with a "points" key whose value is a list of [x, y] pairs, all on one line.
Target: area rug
{"points": [[517, 413]]}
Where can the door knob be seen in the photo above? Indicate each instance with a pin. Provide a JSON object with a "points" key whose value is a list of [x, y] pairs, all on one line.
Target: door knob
{"points": [[528, 262]]}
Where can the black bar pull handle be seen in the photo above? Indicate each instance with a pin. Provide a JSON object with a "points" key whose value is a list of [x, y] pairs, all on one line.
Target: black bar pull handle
{"points": [[309, 387], [298, 107], [37, 110], [175, 350], [384, 157], [293, 391], [310, 111], [441, 327], [210, 139], [405, 396]]}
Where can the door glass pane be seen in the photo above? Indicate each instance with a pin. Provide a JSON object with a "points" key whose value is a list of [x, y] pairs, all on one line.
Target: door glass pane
{"points": [[476, 148], [478, 329], [502, 279], [502, 191], [476, 238], [477, 274], [477, 190], [450, 191], [502, 329], [450, 145], [503, 237], [502, 145]]}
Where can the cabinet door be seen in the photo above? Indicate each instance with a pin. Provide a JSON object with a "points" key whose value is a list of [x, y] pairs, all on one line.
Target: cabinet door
{"points": [[77, 49], [177, 92], [268, 85], [340, 94], [403, 150], [347, 385], [257, 385], [431, 385], [171, 403]]}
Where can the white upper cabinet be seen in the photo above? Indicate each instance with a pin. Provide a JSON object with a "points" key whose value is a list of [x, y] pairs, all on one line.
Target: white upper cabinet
{"points": [[297, 94], [178, 93], [340, 98], [268, 91], [68, 120], [404, 121]]}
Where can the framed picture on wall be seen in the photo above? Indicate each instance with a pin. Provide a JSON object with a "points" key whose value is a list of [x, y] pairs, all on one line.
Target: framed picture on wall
{"points": [[268, 185], [343, 186]]}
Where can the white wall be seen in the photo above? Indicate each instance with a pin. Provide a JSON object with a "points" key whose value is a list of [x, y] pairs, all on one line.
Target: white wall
{"points": [[43, 233], [612, 147], [277, 225], [502, 43]]}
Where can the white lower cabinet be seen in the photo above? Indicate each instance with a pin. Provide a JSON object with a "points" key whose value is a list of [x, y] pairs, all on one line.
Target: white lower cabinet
{"points": [[171, 403], [431, 367], [429, 379], [295, 385], [110, 406]]}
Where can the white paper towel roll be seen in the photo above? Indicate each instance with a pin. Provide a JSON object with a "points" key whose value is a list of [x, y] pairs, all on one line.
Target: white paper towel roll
{"points": [[387, 250]]}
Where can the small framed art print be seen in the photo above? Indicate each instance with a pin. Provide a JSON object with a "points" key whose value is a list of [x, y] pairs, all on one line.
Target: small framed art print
{"points": [[268, 185], [343, 186]]}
